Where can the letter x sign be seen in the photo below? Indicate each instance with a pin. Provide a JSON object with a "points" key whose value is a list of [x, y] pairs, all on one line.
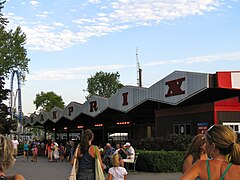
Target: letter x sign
{"points": [[174, 87]]}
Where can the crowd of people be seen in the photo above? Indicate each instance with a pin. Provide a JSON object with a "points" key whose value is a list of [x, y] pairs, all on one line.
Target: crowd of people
{"points": [[112, 158], [213, 155], [55, 151]]}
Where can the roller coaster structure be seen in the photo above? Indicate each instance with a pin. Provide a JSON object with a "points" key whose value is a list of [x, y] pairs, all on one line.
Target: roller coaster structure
{"points": [[19, 116]]}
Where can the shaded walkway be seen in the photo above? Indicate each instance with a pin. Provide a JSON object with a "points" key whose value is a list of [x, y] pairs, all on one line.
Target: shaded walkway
{"points": [[43, 170]]}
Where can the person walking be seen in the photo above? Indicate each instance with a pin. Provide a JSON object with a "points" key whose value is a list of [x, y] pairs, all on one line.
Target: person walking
{"points": [[15, 146], [68, 150], [49, 150], [7, 159], [86, 157], [195, 151], [35, 153], [222, 147], [61, 152], [25, 151], [117, 172]]}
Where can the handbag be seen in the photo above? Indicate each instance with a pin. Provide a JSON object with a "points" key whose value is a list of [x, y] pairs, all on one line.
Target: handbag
{"points": [[98, 168], [73, 174]]}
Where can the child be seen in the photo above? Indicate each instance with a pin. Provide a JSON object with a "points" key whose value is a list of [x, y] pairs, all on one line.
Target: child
{"points": [[56, 152], [117, 172]]}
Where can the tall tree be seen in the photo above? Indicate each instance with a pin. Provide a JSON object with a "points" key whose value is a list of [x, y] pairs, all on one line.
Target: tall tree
{"points": [[6, 124], [13, 55], [47, 101], [103, 84]]}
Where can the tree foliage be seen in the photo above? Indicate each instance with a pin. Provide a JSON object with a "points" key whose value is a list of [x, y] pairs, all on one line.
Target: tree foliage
{"points": [[13, 55], [103, 84], [6, 124], [47, 101]]}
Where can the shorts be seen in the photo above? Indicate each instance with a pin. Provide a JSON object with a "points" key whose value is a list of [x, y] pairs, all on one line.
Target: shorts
{"points": [[15, 152], [86, 175]]}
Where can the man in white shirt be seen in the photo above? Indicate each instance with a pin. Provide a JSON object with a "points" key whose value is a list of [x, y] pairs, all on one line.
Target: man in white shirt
{"points": [[15, 146], [130, 152]]}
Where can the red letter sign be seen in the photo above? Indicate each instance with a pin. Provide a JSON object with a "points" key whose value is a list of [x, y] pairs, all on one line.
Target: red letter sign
{"points": [[93, 106], [54, 114], [125, 99], [174, 87], [70, 110]]}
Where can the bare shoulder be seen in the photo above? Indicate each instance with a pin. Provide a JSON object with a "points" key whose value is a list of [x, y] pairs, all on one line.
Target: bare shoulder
{"points": [[235, 168], [233, 173], [187, 163], [189, 158], [19, 177], [16, 177], [92, 150]]}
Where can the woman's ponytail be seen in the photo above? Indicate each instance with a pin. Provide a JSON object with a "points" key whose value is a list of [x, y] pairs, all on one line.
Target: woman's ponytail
{"points": [[235, 153]]}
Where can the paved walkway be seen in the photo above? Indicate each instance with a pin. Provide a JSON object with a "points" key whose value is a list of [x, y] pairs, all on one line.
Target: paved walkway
{"points": [[43, 170]]}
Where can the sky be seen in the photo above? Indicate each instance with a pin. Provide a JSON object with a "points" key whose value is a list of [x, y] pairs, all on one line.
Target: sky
{"points": [[69, 41]]}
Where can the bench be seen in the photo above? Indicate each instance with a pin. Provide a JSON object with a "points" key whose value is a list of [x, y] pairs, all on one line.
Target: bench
{"points": [[128, 164]]}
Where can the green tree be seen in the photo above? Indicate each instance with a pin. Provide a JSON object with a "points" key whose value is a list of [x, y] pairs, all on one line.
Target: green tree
{"points": [[13, 55], [103, 84], [47, 101], [6, 124]]}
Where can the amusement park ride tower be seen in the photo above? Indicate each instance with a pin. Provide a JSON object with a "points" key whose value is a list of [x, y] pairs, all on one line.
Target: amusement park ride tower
{"points": [[16, 112]]}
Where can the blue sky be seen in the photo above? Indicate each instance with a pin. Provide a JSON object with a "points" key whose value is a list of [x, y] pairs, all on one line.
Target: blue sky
{"points": [[69, 41]]}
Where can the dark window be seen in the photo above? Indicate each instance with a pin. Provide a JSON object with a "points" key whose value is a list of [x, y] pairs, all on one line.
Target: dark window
{"points": [[188, 129], [236, 127], [182, 129], [176, 129]]}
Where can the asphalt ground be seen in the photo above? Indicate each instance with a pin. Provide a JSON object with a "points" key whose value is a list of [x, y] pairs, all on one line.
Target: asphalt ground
{"points": [[44, 170]]}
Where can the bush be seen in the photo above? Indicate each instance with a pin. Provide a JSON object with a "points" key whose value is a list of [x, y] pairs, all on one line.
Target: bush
{"points": [[160, 161], [169, 143]]}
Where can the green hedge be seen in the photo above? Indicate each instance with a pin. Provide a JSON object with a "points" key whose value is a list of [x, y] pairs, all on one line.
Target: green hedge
{"points": [[169, 143], [159, 161]]}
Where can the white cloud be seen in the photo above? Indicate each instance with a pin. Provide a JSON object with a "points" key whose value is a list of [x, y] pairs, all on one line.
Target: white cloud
{"points": [[84, 72], [58, 24], [120, 15], [43, 14], [83, 21], [71, 73], [34, 3], [234, 56], [94, 1]]}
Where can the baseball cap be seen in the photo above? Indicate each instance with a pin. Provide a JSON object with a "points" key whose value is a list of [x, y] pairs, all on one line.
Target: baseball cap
{"points": [[127, 144]]}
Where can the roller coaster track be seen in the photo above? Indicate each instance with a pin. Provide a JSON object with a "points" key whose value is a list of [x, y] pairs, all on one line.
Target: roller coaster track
{"points": [[19, 116]]}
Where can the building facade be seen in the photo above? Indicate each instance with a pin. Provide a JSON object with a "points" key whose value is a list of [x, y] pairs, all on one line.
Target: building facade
{"points": [[181, 103]]}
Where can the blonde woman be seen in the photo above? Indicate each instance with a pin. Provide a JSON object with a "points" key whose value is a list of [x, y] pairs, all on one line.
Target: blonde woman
{"points": [[117, 172], [224, 150], [7, 159]]}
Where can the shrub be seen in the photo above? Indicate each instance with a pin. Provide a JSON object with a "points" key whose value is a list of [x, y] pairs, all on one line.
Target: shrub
{"points": [[169, 143], [160, 161]]}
